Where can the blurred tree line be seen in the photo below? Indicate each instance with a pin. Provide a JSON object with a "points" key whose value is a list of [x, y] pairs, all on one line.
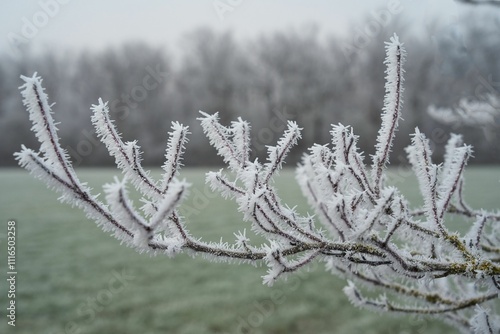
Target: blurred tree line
{"points": [[290, 75]]}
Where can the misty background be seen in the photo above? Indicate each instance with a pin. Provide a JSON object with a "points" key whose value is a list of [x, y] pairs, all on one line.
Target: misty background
{"points": [[322, 64]]}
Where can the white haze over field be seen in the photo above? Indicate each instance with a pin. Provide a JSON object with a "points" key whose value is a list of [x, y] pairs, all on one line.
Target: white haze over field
{"points": [[91, 24]]}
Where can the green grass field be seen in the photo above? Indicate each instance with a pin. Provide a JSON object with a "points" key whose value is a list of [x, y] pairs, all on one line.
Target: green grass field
{"points": [[73, 278]]}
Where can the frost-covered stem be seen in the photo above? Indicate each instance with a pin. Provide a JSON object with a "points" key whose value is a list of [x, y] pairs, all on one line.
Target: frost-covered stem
{"points": [[127, 155], [241, 130], [453, 175], [323, 211], [36, 101], [272, 204], [71, 193], [219, 138], [420, 157], [173, 155], [391, 111], [481, 113], [434, 298], [278, 153]]}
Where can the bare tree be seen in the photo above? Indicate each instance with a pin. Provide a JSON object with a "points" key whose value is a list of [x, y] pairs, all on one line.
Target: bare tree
{"points": [[364, 230]]}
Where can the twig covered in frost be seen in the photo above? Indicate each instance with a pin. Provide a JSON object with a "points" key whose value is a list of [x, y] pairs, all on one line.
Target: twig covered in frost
{"points": [[363, 229], [392, 107], [484, 113]]}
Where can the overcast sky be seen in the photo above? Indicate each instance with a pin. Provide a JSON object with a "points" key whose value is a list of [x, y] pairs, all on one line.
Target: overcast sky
{"points": [[94, 24]]}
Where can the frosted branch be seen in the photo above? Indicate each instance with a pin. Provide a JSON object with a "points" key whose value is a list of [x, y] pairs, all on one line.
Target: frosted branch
{"points": [[480, 113], [362, 229], [391, 111]]}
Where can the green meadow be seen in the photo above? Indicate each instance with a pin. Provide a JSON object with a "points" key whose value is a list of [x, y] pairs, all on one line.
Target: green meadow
{"points": [[74, 278]]}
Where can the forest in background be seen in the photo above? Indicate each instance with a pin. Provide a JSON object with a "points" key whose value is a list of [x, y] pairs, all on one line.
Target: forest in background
{"points": [[288, 75]]}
